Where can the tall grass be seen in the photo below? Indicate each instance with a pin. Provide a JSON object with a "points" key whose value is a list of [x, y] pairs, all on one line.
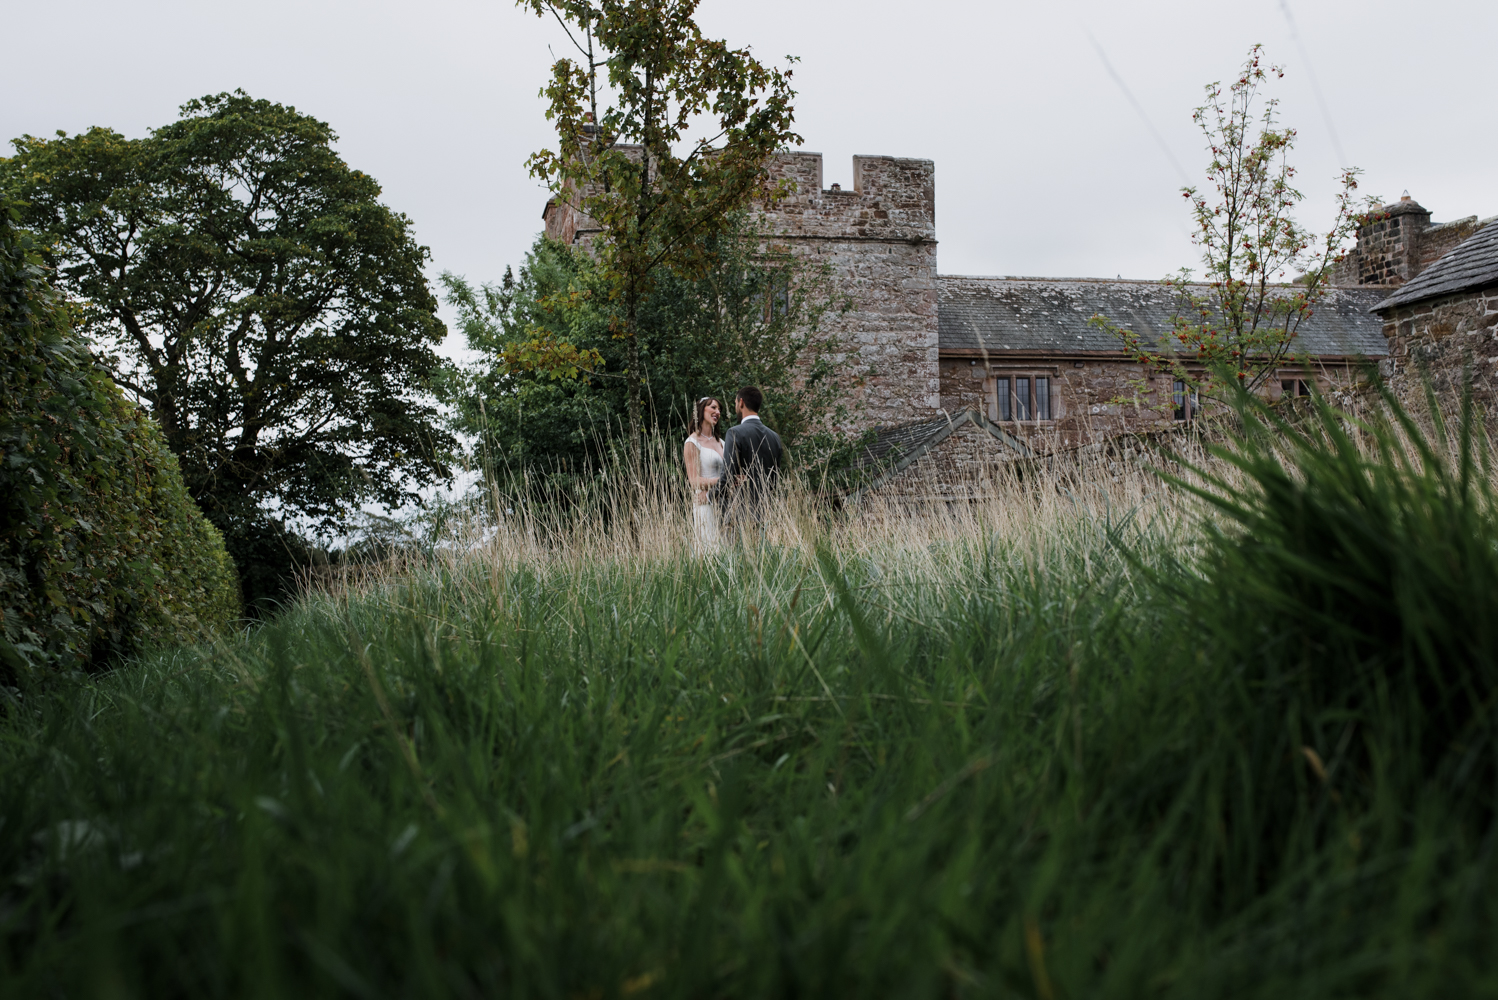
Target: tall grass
{"points": [[1090, 737]]}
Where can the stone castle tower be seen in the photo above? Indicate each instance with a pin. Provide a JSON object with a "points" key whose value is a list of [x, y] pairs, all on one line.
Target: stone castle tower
{"points": [[880, 240]]}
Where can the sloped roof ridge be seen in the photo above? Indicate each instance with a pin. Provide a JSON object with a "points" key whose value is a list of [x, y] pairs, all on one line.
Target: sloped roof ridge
{"points": [[916, 438], [977, 313], [1036, 277], [1158, 282]]}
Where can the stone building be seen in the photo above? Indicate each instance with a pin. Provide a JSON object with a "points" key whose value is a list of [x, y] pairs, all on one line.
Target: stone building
{"points": [[1022, 372], [967, 373], [1441, 323], [1022, 351], [971, 372]]}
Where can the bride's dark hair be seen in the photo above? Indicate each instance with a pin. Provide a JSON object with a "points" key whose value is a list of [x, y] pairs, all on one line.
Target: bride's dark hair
{"points": [[699, 411]]}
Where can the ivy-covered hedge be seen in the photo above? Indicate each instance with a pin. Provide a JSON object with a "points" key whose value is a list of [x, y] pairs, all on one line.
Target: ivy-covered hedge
{"points": [[102, 551]]}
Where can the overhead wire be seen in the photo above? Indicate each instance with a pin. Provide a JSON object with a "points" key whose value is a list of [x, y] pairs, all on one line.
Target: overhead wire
{"points": [[1326, 114], [1139, 110]]}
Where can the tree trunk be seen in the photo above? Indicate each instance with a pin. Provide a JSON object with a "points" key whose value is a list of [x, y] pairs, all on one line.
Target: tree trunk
{"points": [[634, 372]]}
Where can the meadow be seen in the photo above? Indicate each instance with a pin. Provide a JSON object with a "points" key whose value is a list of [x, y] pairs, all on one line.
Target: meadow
{"points": [[1103, 734]]}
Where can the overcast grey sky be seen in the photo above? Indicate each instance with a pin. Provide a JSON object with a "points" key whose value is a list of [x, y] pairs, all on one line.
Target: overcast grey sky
{"points": [[1043, 165]]}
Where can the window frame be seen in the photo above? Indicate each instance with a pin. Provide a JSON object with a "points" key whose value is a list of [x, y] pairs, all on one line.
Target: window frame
{"points": [[1040, 385], [777, 296], [1295, 387], [1185, 401]]}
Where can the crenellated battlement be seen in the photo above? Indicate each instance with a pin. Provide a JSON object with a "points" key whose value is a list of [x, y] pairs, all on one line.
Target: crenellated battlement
{"points": [[568, 223], [893, 198]]}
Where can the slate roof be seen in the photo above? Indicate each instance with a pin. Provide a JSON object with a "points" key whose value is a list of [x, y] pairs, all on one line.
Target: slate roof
{"points": [[890, 444], [893, 449], [1472, 263], [1051, 314]]}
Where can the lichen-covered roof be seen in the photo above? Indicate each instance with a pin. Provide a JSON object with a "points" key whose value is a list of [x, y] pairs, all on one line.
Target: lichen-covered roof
{"points": [[894, 448], [1051, 314], [1472, 263], [891, 444]]}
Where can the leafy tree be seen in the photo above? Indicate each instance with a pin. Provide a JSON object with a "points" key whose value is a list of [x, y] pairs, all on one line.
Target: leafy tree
{"points": [[660, 201], [101, 549], [748, 318], [249, 287], [1244, 324]]}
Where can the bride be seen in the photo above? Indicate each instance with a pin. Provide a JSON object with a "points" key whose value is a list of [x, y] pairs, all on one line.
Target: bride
{"points": [[702, 453]]}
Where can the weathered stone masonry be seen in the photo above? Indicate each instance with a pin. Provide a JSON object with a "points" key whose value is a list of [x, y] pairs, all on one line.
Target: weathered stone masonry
{"points": [[1443, 326], [1399, 244], [1447, 339], [995, 331], [880, 239]]}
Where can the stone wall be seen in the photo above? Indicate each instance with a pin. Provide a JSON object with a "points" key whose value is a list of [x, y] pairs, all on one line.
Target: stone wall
{"points": [[880, 242], [568, 223], [1092, 398], [1439, 240], [964, 467], [1444, 339], [1399, 244]]}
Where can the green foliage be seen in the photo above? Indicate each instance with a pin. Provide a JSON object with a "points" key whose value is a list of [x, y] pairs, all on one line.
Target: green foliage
{"points": [[271, 557], [247, 284], [660, 203], [1064, 769], [1247, 320], [102, 552], [748, 319], [1359, 570]]}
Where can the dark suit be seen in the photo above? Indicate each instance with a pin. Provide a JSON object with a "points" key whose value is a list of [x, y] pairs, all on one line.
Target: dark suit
{"points": [[752, 451]]}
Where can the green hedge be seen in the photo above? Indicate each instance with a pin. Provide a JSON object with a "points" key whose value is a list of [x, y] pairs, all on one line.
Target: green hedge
{"points": [[102, 551]]}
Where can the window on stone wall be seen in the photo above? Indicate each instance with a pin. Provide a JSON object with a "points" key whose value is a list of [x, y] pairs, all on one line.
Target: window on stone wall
{"points": [[1023, 397], [777, 299], [1188, 401], [1294, 387]]}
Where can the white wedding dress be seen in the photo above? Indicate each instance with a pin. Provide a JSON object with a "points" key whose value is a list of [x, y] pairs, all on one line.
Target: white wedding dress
{"points": [[705, 534]]}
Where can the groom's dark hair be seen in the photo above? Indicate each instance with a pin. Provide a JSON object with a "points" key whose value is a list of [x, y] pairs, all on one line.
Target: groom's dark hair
{"points": [[752, 397]]}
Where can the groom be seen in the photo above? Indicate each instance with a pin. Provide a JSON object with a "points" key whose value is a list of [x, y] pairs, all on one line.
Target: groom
{"points": [[751, 457]]}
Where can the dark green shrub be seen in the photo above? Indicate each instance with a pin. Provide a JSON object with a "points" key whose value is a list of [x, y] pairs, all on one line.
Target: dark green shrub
{"points": [[102, 552], [1354, 586], [270, 556]]}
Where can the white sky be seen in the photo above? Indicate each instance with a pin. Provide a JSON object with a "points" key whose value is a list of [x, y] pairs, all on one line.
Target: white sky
{"points": [[1043, 166]]}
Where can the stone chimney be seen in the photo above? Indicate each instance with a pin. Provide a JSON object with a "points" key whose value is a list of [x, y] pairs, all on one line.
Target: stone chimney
{"points": [[1388, 250]]}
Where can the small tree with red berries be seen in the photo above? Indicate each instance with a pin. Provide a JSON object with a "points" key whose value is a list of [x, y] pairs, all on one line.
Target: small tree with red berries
{"points": [[1242, 321]]}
